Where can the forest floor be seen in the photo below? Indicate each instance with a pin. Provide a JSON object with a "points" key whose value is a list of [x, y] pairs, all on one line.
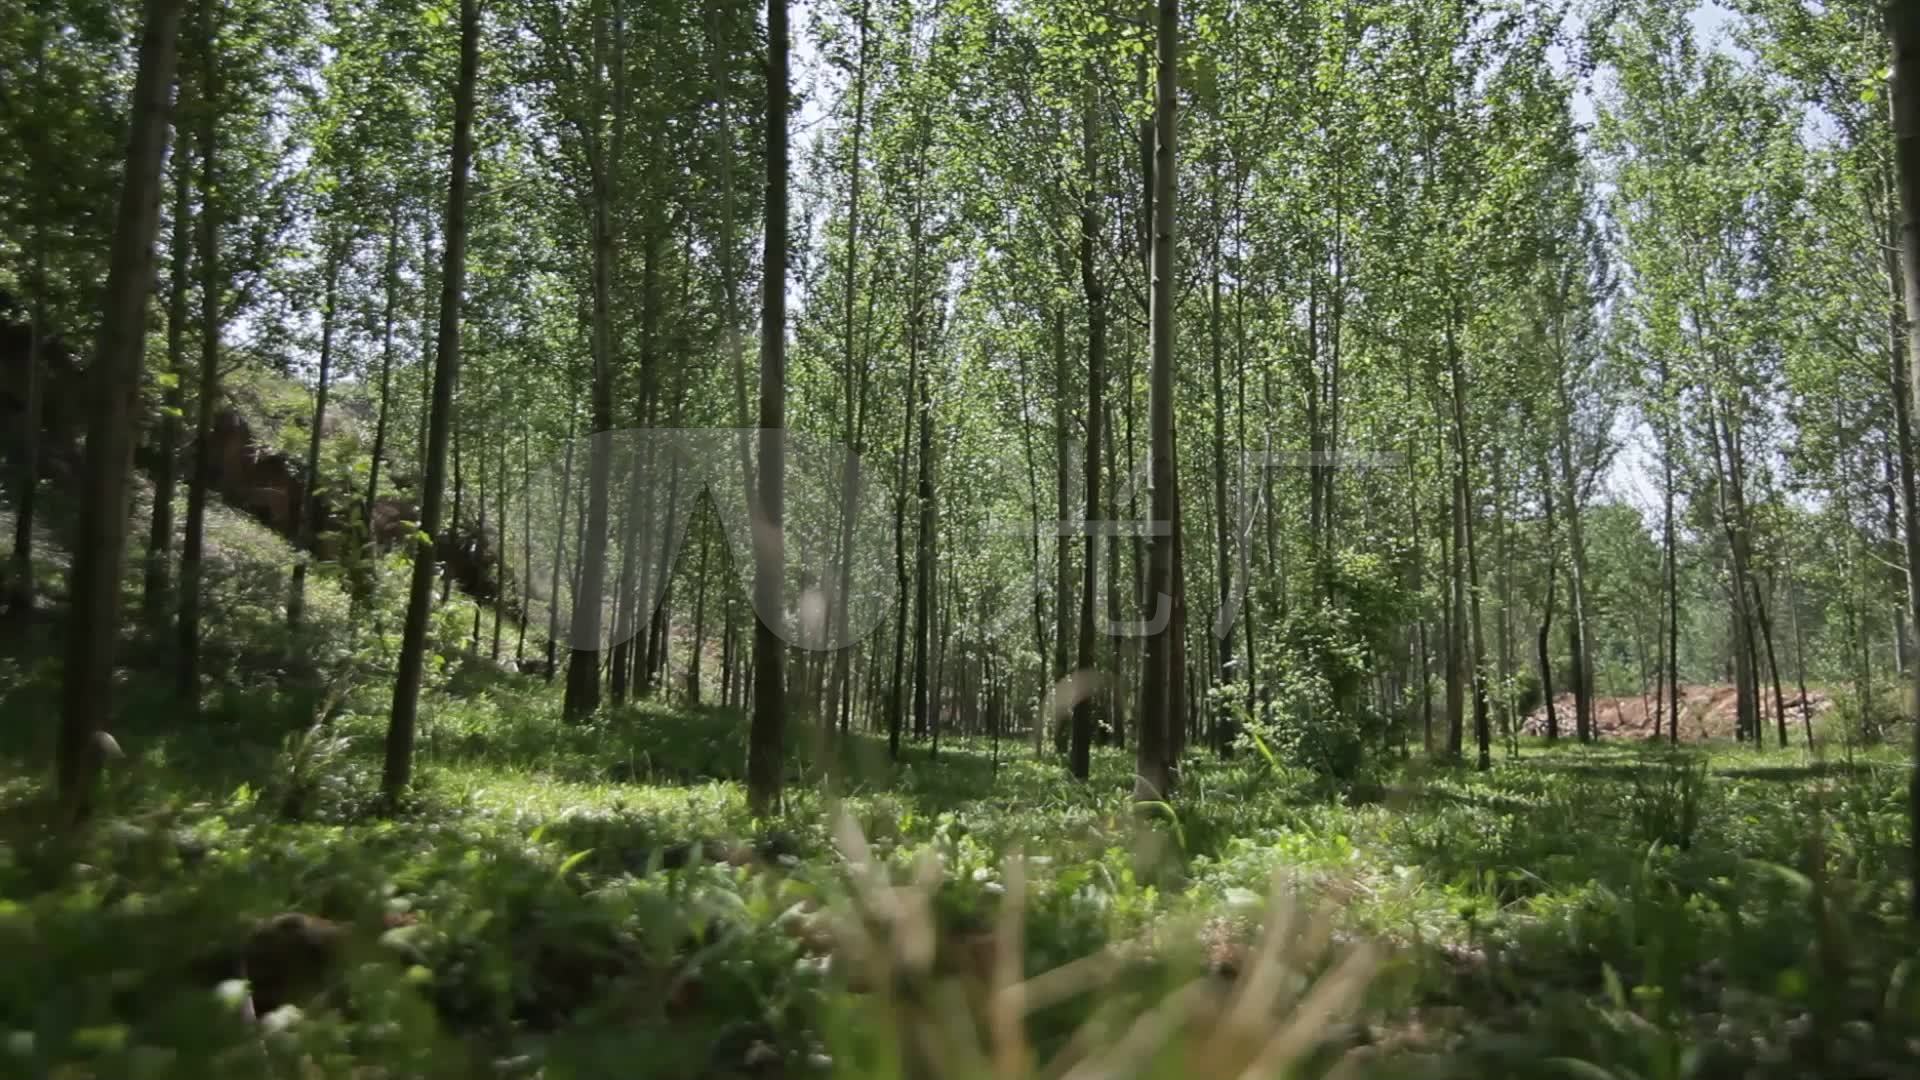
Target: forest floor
{"points": [[594, 900]]}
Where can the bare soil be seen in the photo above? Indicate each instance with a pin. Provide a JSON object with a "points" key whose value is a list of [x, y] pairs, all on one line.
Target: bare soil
{"points": [[1706, 712]]}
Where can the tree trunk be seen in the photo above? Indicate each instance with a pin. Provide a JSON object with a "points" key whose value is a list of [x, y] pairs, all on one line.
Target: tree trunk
{"points": [[1903, 30], [389, 315], [1222, 530], [840, 686], [193, 543], [1453, 550], [1153, 779], [1079, 759], [640, 653], [727, 643], [526, 547], [699, 622], [923, 702], [94, 587], [1671, 561], [20, 606], [1773, 663], [583, 662], [895, 693], [20, 586], [500, 513], [1463, 537], [1509, 723], [367, 560], [764, 747], [459, 489], [1063, 614], [1799, 655], [559, 548], [626, 598], [1126, 651], [1040, 640], [157, 586], [1179, 688], [1545, 646], [659, 620], [478, 544], [1746, 674], [398, 771], [306, 509], [1579, 657]]}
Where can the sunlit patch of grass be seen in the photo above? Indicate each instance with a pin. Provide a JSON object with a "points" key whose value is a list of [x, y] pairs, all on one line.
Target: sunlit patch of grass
{"points": [[571, 896]]}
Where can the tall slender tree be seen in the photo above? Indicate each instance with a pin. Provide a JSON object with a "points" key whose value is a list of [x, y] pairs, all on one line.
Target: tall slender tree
{"points": [[1153, 775], [397, 774], [765, 743], [94, 584]]}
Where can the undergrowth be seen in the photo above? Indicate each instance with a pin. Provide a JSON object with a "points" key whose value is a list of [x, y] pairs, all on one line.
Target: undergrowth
{"points": [[595, 900]]}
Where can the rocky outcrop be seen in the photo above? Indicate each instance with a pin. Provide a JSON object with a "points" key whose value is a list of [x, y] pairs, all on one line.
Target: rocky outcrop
{"points": [[247, 474]]}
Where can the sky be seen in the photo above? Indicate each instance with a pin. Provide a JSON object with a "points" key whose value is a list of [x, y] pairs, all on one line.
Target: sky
{"points": [[1634, 475]]}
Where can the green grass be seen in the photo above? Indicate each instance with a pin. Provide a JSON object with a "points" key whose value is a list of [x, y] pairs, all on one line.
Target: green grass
{"points": [[586, 896], [595, 900]]}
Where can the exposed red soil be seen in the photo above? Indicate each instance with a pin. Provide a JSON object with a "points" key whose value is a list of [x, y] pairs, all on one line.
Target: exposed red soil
{"points": [[249, 476], [1706, 712]]}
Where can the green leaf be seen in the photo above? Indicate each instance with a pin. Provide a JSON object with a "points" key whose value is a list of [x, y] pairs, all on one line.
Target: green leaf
{"points": [[1585, 1070]]}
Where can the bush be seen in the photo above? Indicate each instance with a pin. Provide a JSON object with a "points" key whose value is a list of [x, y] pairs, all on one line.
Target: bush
{"points": [[1865, 722], [1315, 715]]}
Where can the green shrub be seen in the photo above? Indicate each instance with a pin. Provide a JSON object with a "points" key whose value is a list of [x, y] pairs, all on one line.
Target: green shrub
{"points": [[1322, 660], [1864, 722]]}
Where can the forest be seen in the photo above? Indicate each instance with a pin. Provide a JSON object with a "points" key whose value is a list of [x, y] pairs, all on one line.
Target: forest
{"points": [[960, 538]]}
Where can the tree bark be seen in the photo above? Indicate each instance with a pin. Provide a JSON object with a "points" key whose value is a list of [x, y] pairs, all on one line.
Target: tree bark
{"points": [[501, 514], [1545, 643], [397, 773], [1671, 560], [1579, 657], [764, 747], [157, 587], [389, 316], [626, 598], [583, 661], [193, 543], [1153, 780], [94, 587], [1063, 614], [1733, 524], [895, 694], [1509, 723], [20, 585], [1903, 31], [1222, 530], [699, 622], [840, 684], [526, 548], [20, 579], [923, 702], [1463, 537], [1079, 758], [306, 509], [559, 548]]}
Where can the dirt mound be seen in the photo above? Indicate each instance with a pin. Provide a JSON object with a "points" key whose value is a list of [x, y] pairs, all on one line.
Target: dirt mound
{"points": [[1706, 712]]}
